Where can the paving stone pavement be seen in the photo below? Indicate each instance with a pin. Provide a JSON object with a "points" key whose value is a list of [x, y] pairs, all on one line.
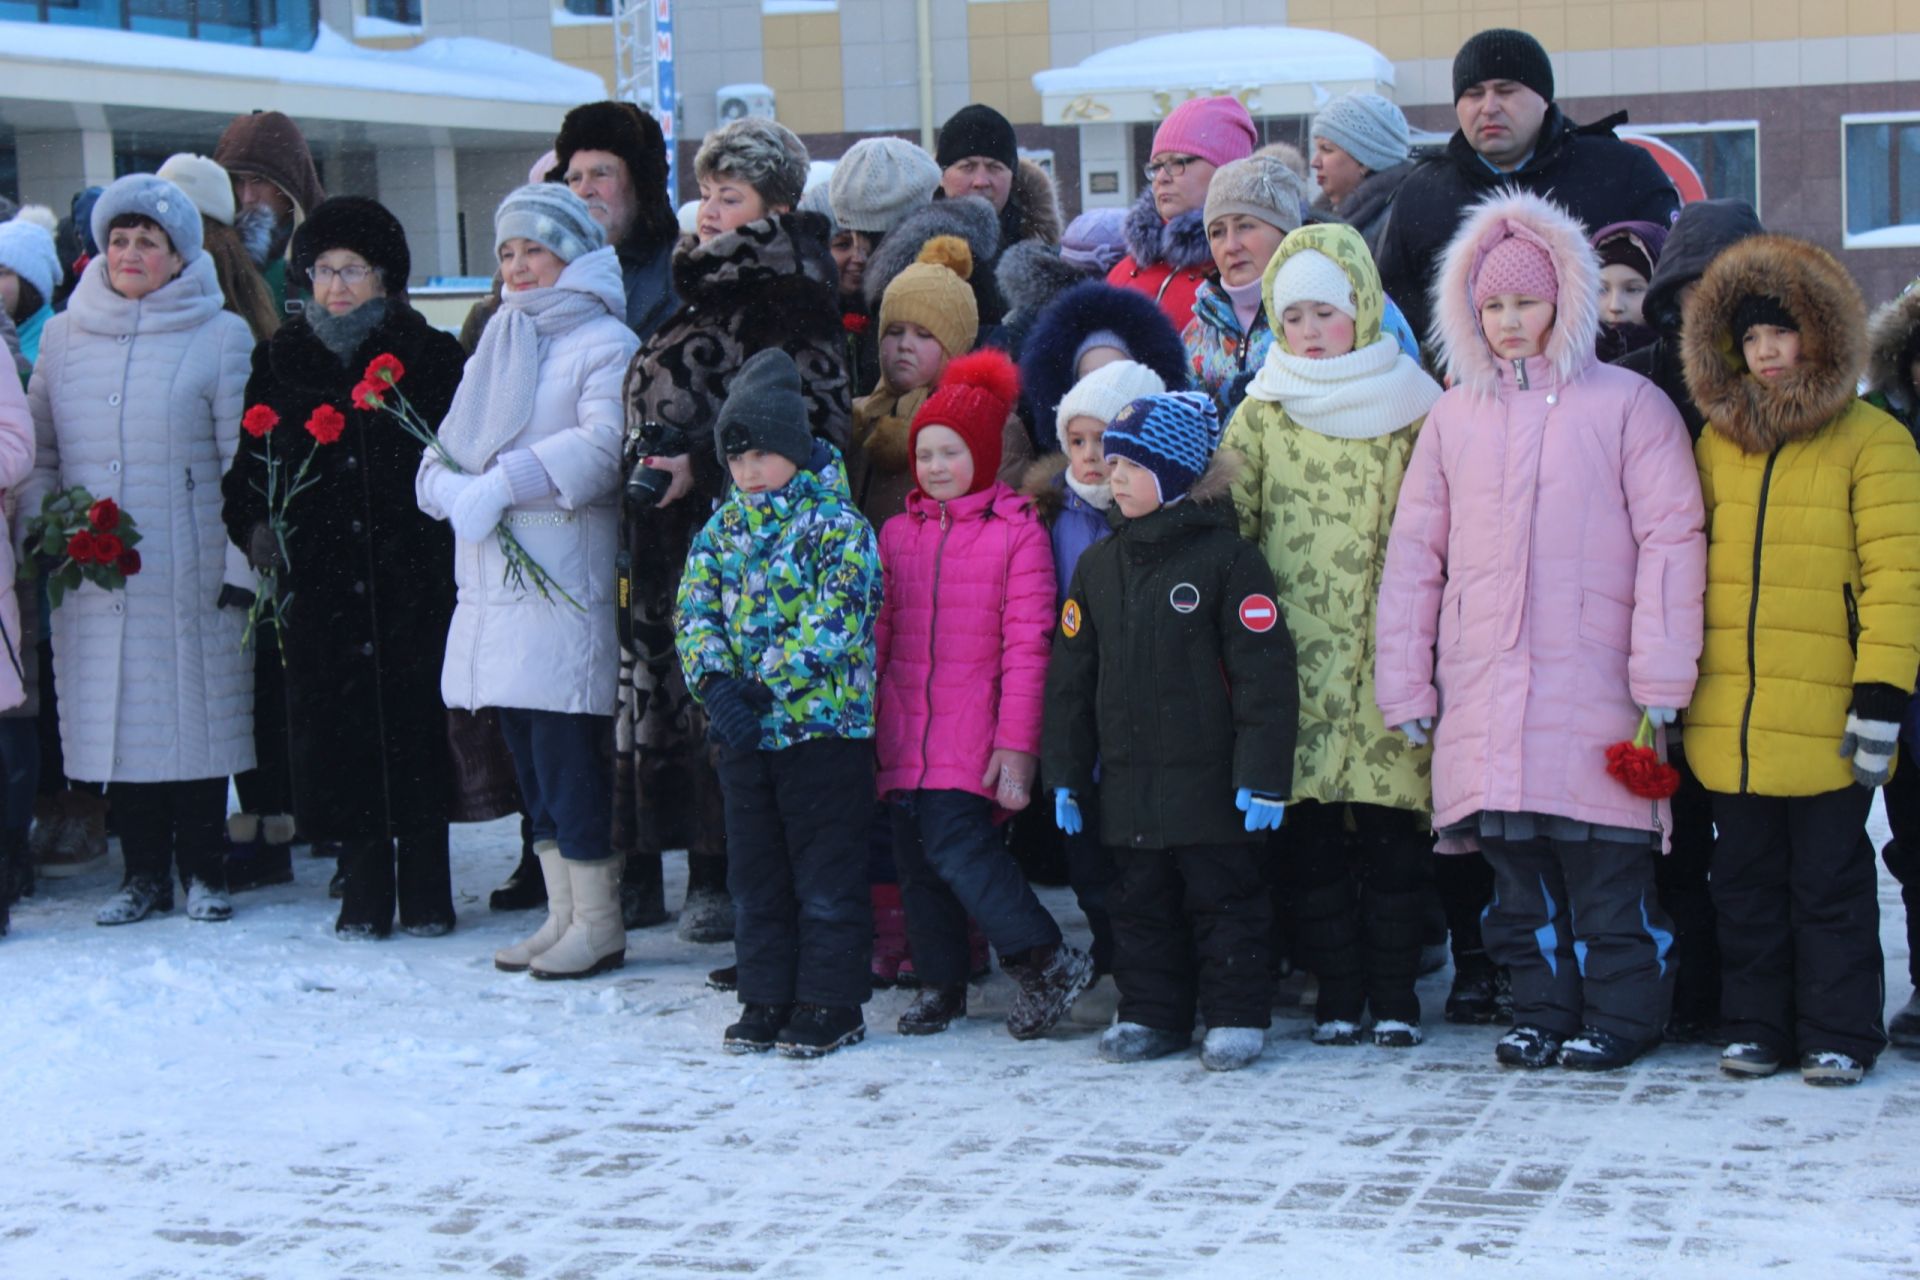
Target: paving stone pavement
{"points": [[258, 1099]]}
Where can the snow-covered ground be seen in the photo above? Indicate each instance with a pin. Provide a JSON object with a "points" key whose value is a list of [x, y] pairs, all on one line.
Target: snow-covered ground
{"points": [[259, 1099]]}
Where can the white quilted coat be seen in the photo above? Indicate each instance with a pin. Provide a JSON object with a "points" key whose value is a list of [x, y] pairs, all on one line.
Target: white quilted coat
{"points": [[140, 401], [16, 464], [509, 648]]}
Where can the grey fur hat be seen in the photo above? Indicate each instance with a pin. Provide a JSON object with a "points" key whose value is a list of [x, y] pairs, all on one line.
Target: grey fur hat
{"points": [[1260, 187], [155, 199], [549, 214], [970, 217], [880, 182], [762, 153]]}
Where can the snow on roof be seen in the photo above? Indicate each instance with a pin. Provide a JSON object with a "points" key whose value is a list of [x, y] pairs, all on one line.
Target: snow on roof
{"points": [[1223, 56], [450, 67]]}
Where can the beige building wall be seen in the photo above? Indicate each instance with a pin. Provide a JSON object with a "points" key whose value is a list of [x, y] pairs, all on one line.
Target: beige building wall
{"points": [[803, 64]]}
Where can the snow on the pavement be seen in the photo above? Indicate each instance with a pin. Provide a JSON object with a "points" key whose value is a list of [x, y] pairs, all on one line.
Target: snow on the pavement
{"points": [[259, 1099]]}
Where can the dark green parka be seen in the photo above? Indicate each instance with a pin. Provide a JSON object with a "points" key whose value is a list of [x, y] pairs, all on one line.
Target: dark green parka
{"points": [[1172, 667]]}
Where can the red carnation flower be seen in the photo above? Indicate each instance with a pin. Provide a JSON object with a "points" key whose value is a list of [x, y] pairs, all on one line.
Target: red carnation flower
{"points": [[259, 420], [855, 323], [367, 393], [385, 368], [80, 547], [107, 548], [1637, 765], [104, 515], [326, 423], [128, 562]]}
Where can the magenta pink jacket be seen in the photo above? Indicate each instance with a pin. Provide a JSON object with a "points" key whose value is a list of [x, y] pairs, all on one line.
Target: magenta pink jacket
{"points": [[1547, 564], [963, 638]]}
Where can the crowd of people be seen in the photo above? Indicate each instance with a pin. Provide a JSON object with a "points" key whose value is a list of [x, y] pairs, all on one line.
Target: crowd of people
{"points": [[1319, 564]]}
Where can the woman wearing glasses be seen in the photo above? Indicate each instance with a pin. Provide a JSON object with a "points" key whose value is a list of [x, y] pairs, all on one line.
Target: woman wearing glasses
{"points": [[1166, 233], [364, 573]]}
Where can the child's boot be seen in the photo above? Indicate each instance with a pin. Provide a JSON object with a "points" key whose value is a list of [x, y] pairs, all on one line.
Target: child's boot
{"points": [[1231, 1048], [1476, 998], [818, 1029], [1597, 1050], [1132, 1042], [933, 1010], [758, 1029], [1050, 980], [595, 941], [1903, 1029], [1530, 1047]]}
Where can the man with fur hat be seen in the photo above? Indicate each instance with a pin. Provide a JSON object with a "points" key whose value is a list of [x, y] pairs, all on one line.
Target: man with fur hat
{"points": [[1512, 135], [1173, 676], [613, 156], [1812, 646], [275, 185]]}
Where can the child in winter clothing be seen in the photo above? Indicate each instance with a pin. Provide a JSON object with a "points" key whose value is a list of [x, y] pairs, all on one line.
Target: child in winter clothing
{"points": [[1326, 430], [1628, 251], [1541, 597], [775, 634], [1086, 326], [962, 662], [1070, 493], [1812, 645], [1156, 616], [534, 433], [1893, 384], [1251, 206]]}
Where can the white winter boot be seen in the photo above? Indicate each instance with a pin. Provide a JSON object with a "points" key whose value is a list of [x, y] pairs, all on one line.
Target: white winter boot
{"points": [[596, 941], [553, 868]]}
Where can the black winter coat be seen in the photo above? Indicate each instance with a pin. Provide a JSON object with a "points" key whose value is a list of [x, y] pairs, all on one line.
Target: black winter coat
{"points": [[1584, 168], [371, 581], [1162, 673]]}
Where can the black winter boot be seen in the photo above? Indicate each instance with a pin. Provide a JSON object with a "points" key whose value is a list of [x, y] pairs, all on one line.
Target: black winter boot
{"points": [[758, 1029], [1476, 998], [1597, 1050], [524, 889], [933, 1010], [818, 1029], [1050, 980], [424, 879], [16, 851], [367, 892], [643, 895], [1530, 1047]]}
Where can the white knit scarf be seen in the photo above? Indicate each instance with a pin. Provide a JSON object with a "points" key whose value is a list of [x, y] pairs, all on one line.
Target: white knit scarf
{"points": [[1371, 392], [494, 401]]}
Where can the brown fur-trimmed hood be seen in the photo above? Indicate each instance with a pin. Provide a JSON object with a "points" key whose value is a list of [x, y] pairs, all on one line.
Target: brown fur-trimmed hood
{"points": [[1820, 295], [1041, 483], [1888, 333]]}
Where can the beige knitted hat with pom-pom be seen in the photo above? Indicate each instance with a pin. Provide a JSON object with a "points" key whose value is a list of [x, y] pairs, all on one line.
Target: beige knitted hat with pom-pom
{"points": [[934, 294]]}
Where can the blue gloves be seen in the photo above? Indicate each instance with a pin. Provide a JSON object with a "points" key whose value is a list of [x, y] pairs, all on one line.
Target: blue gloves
{"points": [[734, 708], [1066, 812], [1263, 811]]}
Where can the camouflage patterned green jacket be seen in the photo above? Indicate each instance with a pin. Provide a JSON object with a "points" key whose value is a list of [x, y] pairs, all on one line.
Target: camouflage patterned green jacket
{"points": [[783, 588]]}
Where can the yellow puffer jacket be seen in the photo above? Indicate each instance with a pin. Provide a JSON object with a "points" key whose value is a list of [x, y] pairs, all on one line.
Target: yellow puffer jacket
{"points": [[1813, 524]]}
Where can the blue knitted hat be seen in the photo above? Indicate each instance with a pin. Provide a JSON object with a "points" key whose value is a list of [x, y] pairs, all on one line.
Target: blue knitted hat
{"points": [[1170, 435]]}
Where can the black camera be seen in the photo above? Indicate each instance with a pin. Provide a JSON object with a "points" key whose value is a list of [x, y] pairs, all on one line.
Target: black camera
{"points": [[647, 485]]}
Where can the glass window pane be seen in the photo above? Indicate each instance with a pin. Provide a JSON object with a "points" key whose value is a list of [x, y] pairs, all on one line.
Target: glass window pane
{"points": [[1869, 198]]}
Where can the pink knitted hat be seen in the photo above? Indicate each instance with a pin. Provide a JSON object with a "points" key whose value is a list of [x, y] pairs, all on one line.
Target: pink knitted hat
{"points": [[1516, 265], [1214, 129]]}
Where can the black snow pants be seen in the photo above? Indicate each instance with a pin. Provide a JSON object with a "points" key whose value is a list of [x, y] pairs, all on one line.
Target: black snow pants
{"points": [[1902, 854], [1361, 898], [1191, 927]]}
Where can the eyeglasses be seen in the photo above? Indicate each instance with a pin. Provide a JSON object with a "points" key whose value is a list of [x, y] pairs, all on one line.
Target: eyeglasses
{"points": [[1172, 166], [352, 277]]}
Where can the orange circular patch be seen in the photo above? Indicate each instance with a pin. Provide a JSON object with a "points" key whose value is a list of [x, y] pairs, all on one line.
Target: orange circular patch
{"points": [[1070, 619]]}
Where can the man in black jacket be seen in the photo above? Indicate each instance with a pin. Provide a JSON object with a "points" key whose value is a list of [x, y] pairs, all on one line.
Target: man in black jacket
{"points": [[1511, 135]]}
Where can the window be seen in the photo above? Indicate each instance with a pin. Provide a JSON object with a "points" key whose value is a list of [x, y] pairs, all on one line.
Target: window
{"points": [[1881, 161], [1726, 155], [591, 8], [277, 24], [404, 12]]}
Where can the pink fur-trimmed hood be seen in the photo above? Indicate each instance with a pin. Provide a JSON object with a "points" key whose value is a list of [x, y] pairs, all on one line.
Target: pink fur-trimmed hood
{"points": [[1465, 355]]}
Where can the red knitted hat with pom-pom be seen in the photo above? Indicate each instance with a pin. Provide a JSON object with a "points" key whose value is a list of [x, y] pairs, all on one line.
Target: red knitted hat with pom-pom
{"points": [[976, 394]]}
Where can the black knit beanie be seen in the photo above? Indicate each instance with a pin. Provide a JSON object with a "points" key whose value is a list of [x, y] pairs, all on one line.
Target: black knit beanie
{"points": [[977, 130], [764, 410], [1501, 53], [1761, 308]]}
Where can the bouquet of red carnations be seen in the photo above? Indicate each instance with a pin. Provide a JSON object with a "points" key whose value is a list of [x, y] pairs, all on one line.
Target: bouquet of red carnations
{"points": [[85, 540], [324, 424]]}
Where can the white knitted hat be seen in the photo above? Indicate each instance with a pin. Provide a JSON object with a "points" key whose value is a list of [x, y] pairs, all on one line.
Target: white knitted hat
{"points": [[208, 185], [1103, 393], [1311, 276], [879, 182], [1367, 127], [27, 250]]}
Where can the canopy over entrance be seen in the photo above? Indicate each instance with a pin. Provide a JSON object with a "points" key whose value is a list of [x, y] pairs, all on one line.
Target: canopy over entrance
{"points": [[1274, 71]]}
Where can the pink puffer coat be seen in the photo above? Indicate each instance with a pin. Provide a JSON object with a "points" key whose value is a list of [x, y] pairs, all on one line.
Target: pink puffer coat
{"points": [[963, 638], [1548, 543]]}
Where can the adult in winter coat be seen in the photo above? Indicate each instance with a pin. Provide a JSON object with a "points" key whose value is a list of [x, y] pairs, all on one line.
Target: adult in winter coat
{"points": [[1702, 232], [979, 156], [757, 275], [1512, 136], [1541, 597], [19, 751], [364, 571], [1087, 326], [1812, 646], [1251, 206], [1325, 433], [534, 437], [1167, 253], [878, 184], [613, 156], [137, 398], [275, 185], [1893, 384], [1361, 147]]}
